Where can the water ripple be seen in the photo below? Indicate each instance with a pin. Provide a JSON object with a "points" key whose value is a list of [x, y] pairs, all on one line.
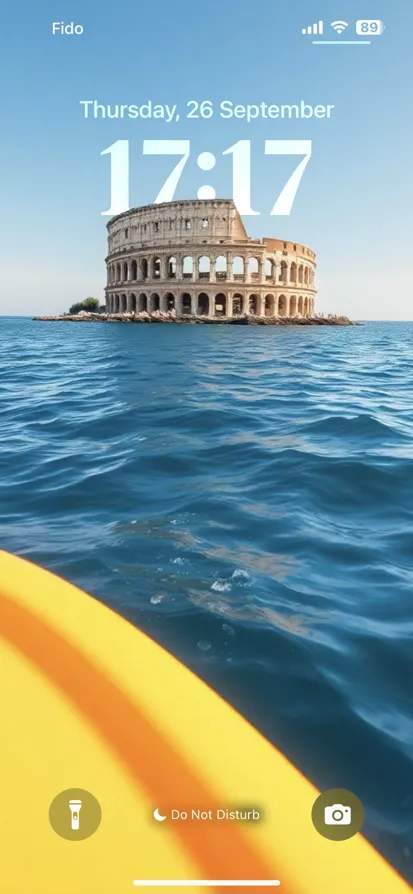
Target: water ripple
{"points": [[245, 496]]}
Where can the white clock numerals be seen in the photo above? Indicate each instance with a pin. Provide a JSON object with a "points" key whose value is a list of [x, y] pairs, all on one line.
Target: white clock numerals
{"points": [[241, 172], [169, 147], [119, 177], [241, 175], [285, 200]]}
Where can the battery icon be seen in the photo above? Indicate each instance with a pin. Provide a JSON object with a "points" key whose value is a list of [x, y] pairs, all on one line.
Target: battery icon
{"points": [[369, 26]]}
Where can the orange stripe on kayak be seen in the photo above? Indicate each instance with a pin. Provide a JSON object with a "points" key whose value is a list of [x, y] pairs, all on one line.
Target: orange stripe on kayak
{"points": [[221, 852]]}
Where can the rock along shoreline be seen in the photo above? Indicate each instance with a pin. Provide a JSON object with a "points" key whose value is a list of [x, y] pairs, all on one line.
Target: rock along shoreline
{"points": [[164, 317]]}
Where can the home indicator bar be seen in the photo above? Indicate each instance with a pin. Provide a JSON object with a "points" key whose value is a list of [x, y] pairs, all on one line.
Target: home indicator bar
{"points": [[207, 883]]}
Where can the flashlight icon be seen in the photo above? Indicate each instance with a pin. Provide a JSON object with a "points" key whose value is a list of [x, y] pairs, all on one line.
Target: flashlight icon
{"points": [[75, 807]]}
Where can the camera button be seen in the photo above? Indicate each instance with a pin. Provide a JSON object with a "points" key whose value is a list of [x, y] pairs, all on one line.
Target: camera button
{"points": [[337, 814]]}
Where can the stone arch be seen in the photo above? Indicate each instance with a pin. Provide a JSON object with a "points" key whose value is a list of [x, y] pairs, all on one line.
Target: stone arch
{"points": [[188, 267], [171, 267], [269, 269], [154, 302], [203, 304], [133, 270], [282, 306], [300, 273], [269, 308], [283, 271], [293, 272], [117, 272], [220, 267], [144, 268], [306, 275], [238, 268], [237, 302], [123, 304], [253, 304], [305, 307], [156, 266], [124, 271], [220, 305], [116, 304], [142, 303], [293, 306], [169, 301], [204, 267], [253, 269], [186, 303], [132, 303], [300, 305]]}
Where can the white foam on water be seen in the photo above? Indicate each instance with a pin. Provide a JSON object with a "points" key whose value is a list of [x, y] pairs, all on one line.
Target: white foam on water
{"points": [[222, 586]]}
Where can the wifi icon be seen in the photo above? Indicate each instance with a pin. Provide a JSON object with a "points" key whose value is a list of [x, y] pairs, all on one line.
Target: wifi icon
{"points": [[339, 27]]}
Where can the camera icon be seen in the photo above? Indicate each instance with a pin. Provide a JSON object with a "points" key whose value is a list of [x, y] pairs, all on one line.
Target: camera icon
{"points": [[337, 815]]}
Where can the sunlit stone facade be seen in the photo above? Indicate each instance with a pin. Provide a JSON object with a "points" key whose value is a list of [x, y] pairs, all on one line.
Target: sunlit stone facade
{"points": [[195, 257]]}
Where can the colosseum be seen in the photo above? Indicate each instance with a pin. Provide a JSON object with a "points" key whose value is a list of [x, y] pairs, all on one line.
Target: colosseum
{"points": [[195, 257]]}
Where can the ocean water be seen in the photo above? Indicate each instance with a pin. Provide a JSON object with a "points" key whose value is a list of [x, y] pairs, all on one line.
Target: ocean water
{"points": [[245, 496]]}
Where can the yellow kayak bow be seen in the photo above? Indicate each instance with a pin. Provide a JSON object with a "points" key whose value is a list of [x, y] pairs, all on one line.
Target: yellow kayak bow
{"points": [[89, 702]]}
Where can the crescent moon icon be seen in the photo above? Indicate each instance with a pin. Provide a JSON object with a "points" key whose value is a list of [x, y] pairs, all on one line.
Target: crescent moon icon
{"points": [[158, 816]]}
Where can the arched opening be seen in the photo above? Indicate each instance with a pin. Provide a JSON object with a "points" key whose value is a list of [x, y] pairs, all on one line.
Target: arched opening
{"points": [[293, 305], [204, 268], [238, 269], [133, 271], [187, 302], [300, 273], [156, 268], [124, 271], [282, 306], [269, 305], [169, 301], [283, 271], [253, 269], [293, 272], [237, 305], [188, 267], [269, 269], [132, 304], [123, 304], [142, 303], [221, 268], [154, 303], [306, 307], [300, 305], [253, 304], [144, 268], [116, 304], [306, 275], [117, 272], [171, 268], [203, 304], [220, 305]]}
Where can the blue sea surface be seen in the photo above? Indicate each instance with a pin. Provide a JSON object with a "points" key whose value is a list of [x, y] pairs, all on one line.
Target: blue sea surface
{"points": [[245, 496]]}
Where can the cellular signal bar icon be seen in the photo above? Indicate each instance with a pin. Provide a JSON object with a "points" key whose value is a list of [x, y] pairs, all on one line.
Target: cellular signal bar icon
{"points": [[317, 28]]}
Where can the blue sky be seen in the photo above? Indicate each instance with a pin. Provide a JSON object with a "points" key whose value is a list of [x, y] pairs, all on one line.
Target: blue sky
{"points": [[354, 203]]}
